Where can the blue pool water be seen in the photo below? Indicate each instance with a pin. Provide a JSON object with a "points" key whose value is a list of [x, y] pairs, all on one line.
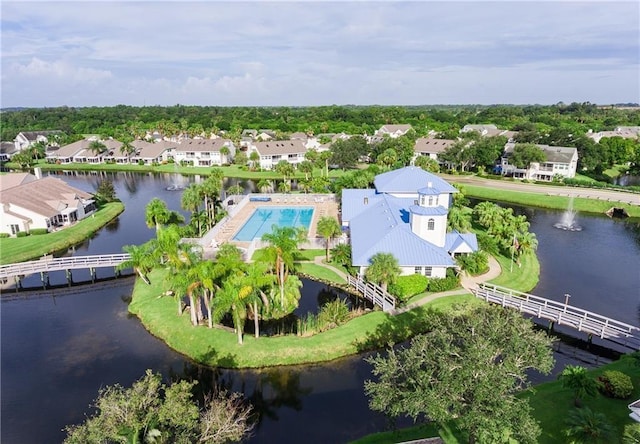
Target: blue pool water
{"points": [[263, 218]]}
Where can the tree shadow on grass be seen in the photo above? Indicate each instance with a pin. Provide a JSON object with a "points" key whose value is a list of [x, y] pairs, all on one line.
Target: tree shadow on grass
{"points": [[211, 357], [397, 328]]}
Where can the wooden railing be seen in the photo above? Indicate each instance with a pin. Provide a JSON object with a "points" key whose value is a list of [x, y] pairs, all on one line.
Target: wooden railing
{"points": [[64, 263], [563, 314], [373, 292]]}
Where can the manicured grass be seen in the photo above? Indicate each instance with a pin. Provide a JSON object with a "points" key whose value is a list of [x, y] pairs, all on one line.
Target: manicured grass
{"points": [[219, 347], [544, 201], [551, 403], [320, 273], [229, 171], [32, 247], [300, 255], [524, 278], [403, 435]]}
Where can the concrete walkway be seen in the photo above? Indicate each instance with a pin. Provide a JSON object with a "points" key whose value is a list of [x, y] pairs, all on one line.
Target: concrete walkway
{"points": [[468, 283]]}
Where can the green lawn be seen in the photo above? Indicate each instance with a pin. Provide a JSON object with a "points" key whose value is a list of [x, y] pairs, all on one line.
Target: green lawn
{"points": [[219, 348], [229, 171], [544, 201], [524, 278], [32, 247], [551, 403], [320, 273]]}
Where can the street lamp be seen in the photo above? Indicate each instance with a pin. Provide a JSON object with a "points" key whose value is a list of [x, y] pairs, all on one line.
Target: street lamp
{"points": [[566, 298]]}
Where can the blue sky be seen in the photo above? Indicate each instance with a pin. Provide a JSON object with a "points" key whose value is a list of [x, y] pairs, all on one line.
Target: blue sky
{"points": [[318, 53]]}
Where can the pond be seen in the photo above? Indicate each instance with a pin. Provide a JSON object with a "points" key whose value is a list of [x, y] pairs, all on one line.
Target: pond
{"points": [[57, 351]]}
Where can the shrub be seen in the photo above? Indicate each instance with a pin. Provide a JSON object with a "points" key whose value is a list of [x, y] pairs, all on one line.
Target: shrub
{"points": [[22, 234], [407, 286], [488, 243], [4, 235], [38, 231], [475, 263], [140, 162], [333, 314], [615, 384], [437, 285]]}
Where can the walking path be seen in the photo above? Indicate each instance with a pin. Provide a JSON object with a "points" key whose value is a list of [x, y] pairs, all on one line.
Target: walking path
{"points": [[468, 283]]}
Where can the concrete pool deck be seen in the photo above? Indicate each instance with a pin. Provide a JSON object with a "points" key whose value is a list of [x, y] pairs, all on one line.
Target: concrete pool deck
{"points": [[323, 205]]}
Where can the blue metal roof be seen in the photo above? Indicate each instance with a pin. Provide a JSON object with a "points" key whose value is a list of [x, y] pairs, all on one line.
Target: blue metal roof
{"points": [[428, 211], [428, 191], [455, 239], [409, 180], [384, 227], [353, 202]]}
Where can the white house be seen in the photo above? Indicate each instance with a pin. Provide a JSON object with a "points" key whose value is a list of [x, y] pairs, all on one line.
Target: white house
{"points": [[29, 202], [25, 139], [393, 131], [205, 152], [560, 161], [149, 153], [7, 149], [66, 153], [272, 152], [431, 147], [405, 215], [626, 132]]}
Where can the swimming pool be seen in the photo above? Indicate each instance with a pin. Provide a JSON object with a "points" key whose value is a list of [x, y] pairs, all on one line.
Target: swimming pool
{"points": [[263, 218]]}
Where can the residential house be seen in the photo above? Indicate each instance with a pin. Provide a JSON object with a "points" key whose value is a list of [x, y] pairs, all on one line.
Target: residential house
{"points": [[626, 132], [28, 203], [66, 153], [25, 139], [272, 152], [7, 149], [484, 130], [149, 153], [204, 152], [393, 131], [560, 161], [405, 215], [431, 147]]}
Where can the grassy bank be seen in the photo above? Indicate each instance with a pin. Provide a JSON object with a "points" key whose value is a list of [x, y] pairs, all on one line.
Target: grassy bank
{"points": [[552, 403], [523, 278], [218, 347], [229, 171], [32, 247], [545, 201]]}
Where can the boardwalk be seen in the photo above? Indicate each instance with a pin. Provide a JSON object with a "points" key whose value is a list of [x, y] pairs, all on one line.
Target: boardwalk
{"points": [[373, 293], [563, 314], [48, 264]]}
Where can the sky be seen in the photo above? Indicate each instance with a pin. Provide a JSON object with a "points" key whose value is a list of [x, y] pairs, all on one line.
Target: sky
{"points": [[304, 53]]}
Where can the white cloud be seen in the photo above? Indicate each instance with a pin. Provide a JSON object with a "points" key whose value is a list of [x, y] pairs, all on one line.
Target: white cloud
{"points": [[301, 53]]}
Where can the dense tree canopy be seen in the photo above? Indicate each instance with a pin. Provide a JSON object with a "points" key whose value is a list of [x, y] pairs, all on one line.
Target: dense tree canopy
{"points": [[468, 368]]}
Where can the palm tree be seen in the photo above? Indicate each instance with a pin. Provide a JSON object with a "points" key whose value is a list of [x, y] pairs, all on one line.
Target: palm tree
{"points": [[427, 164], [459, 219], [328, 227], [156, 214], [224, 152], [284, 243], [264, 185], [97, 147], [587, 426], [257, 280], [209, 191], [577, 379], [284, 187], [141, 260], [235, 190], [341, 254], [387, 158], [383, 270], [486, 213], [190, 201], [285, 169], [127, 148], [306, 167], [254, 157]]}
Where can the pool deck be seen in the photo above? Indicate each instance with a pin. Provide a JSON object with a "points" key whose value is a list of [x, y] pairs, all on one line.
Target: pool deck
{"points": [[323, 205]]}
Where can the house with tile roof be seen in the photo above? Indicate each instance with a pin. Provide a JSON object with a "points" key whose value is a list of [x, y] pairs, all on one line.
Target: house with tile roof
{"points": [[393, 131], [560, 161], [30, 202], [25, 139], [66, 153], [405, 215], [7, 149], [204, 152], [149, 153], [431, 147], [272, 152]]}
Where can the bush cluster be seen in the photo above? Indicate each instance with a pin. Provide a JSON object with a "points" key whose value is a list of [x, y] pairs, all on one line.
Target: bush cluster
{"points": [[475, 263], [408, 286], [22, 234], [4, 235], [615, 384], [38, 231], [437, 285]]}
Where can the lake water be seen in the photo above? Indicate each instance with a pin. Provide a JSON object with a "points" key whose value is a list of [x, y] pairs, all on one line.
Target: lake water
{"points": [[59, 347]]}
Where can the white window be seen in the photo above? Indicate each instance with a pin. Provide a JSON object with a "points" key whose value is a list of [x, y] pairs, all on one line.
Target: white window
{"points": [[428, 271], [417, 270], [15, 229], [431, 225], [430, 201]]}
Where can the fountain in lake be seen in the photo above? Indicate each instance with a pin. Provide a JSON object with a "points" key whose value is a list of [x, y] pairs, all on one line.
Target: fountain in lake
{"points": [[177, 182], [568, 220]]}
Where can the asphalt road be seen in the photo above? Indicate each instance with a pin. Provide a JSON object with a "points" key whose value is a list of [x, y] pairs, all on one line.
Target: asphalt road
{"points": [[550, 190]]}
